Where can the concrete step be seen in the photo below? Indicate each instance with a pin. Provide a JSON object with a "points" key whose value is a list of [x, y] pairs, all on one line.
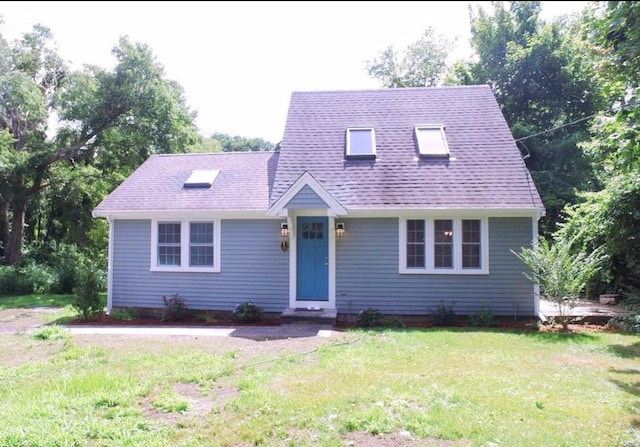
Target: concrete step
{"points": [[305, 315]]}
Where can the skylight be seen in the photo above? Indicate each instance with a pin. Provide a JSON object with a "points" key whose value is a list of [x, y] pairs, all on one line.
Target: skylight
{"points": [[431, 140], [361, 142], [201, 178]]}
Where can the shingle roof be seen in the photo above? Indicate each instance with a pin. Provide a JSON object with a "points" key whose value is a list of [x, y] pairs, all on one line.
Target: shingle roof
{"points": [[485, 169], [244, 183]]}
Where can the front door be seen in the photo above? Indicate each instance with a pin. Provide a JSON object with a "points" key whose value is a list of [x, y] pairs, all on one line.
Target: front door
{"points": [[312, 255]]}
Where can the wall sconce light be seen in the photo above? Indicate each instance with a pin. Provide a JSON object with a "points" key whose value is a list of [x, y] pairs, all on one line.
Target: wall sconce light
{"points": [[339, 229], [284, 233], [284, 229]]}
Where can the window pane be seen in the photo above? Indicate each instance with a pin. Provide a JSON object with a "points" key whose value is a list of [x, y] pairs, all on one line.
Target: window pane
{"points": [[415, 244], [169, 255], [169, 233], [471, 244], [201, 244], [361, 142], [470, 256], [443, 243], [201, 256], [471, 231], [431, 141], [201, 233]]}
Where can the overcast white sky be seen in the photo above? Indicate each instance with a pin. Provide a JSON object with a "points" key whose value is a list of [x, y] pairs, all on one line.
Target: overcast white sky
{"points": [[238, 62]]}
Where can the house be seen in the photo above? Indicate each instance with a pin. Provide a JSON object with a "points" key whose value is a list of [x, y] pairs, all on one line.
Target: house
{"points": [[394, 199]]}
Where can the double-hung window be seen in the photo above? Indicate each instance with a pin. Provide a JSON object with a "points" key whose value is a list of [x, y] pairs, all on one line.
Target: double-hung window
{"points": [[443, 245], [183, 245]]}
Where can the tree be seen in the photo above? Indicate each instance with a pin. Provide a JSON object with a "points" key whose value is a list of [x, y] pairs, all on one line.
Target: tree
{"points": [[422, 65], [240, 144], [561, 273], [107, 122], [610, 217], [542, 77]]}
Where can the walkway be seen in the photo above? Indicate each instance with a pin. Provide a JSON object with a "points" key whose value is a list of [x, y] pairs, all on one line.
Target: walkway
{"points": [[584, 309], [284, 331]]}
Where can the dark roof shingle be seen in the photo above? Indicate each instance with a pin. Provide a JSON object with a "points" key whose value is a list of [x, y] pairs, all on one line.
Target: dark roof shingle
{"points": [[243, 183], [485, 168]]}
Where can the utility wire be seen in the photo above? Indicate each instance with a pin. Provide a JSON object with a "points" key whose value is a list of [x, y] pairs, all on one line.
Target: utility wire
{"points": [[556, 128]]}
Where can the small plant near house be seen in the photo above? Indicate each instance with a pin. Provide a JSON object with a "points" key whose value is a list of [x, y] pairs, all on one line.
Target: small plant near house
{"points": [[89, 283], [483, 318], [561, 272], [394, 323], [247, 312], [369, 318], [174, 307], [443, 315], [124, 314]]}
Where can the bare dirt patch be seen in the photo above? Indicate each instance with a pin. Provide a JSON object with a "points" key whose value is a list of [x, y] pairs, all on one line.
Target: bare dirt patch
{"points": [[20, 320]]}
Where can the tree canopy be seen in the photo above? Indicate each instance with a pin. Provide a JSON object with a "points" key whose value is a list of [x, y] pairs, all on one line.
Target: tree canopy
{"points": [[71, 136]]}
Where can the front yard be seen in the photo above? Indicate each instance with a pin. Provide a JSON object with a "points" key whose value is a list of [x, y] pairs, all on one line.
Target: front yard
{"points": [[436, 387]]}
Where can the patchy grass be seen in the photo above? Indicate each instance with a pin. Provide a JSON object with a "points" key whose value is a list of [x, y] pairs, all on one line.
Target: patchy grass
{"points": [[404, 387], [36, 300], [39, 308]]}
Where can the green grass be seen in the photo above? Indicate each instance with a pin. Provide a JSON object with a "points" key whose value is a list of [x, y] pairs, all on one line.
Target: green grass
{"points": [[475, 388], [36, 300]]}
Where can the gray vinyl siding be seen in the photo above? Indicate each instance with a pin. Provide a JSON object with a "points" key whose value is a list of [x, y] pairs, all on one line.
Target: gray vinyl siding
{"points": [[306, 199], [252, 268], [367, 273]]}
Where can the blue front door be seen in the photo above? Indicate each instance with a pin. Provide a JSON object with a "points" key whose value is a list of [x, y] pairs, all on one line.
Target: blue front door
{"points": [[312, 259]]}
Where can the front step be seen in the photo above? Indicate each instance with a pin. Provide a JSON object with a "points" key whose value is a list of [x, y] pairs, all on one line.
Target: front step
{"points": [[311, 316]]}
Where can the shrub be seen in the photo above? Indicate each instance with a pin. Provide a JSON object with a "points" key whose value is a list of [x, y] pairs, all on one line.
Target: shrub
{"points": [[394, 323], [87, 301], [124, 314], [443, 315], [483, 318], [26, 278], [369, 317], [246, 312], [174, 307], [629, 324]]}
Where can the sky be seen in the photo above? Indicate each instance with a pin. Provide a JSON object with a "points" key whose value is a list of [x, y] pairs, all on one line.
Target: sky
{"points": [[239, 62]]}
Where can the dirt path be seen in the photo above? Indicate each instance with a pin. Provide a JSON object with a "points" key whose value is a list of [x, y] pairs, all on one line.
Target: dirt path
{"points": [[15, 321]]}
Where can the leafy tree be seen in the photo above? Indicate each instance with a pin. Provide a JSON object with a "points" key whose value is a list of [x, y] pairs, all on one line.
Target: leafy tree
{"points": [[543, 79], [422, 64], [611, 217], [108, 122], [561, 272], [239, 144]]}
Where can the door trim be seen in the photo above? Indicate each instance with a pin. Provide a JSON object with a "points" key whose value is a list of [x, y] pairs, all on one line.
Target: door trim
{"points": [[293, 261]]}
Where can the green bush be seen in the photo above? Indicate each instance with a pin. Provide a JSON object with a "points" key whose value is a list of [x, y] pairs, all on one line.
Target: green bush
{"points": [[443, 315], [26, 278], [483, 318], [394, 323], [174, 307], [370, 318], [629, 324], [87, 301], [246, 312], [124, 314]]}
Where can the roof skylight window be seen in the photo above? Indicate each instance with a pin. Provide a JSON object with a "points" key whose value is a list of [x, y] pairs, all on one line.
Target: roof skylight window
{"points": [[201, 178], [361, 142], [431, 140]]}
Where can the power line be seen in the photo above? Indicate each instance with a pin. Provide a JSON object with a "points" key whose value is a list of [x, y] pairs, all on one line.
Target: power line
{"points": [[556, 128]]}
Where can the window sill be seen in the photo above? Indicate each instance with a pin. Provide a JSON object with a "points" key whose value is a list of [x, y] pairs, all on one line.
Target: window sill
{"points": [[185, 269], [444, 271]]}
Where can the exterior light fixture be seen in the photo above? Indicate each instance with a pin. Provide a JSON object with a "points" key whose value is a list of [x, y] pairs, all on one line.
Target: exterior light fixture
{"points": [[284, 233], [339, 229], [284, 229]]}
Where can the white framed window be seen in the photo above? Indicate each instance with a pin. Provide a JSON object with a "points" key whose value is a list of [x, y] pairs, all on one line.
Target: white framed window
{"points": [[444, 245], [361, 142], [431, 140], [185, 245]]}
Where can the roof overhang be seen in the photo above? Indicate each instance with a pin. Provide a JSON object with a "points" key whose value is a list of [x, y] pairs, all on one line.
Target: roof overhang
{"points": [[306, 179]]}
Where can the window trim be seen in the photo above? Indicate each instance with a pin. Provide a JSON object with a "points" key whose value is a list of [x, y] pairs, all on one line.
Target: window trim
{"points": [[457, 268], [185, 228], [373, 143]]}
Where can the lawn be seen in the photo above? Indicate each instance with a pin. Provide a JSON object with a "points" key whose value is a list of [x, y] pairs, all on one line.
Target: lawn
{"points": [[436, 387]]}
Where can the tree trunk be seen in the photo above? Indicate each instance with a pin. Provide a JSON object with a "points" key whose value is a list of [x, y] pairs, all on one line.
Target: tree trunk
{"points": [[13, 250], [4, 226]]}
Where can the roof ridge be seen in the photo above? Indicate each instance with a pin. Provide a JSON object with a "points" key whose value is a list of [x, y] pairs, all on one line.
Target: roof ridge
{"points": [[387, 89], [193, 154]]}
